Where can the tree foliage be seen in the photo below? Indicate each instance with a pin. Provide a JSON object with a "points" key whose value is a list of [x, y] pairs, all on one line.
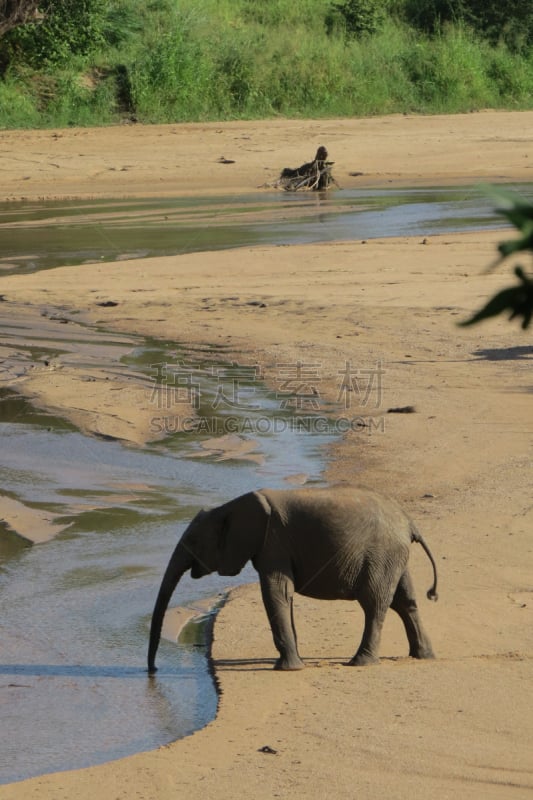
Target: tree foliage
{"points": [[91, 61], [66, 28], [356, 17], [516, 300], [16, 12], [510, 22]]}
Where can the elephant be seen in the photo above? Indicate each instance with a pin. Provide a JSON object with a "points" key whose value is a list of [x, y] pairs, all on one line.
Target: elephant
{"points": [[327, 543]]}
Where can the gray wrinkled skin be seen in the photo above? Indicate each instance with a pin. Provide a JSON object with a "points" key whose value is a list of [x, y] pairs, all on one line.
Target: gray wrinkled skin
{"points": [[331, 544]]}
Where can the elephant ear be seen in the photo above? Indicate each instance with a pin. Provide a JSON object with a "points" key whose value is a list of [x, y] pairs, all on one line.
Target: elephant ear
{"points": [[243, 531]]}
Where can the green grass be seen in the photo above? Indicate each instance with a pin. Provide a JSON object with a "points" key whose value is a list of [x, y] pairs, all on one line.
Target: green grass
{"points": [[185, 60]]}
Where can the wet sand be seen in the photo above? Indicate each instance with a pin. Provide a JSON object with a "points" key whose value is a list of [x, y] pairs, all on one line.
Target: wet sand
{"points": [[463, 724]]}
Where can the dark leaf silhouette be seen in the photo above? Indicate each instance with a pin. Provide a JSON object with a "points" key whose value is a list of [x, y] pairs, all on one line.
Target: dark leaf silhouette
{"points": [[521, 216], [518, 300]]}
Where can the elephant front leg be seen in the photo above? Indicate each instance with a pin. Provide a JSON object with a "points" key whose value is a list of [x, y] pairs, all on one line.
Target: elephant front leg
{"points": [[277, 591]]}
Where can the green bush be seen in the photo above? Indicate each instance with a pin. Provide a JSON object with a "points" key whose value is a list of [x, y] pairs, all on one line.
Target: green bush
{"points": [[69, 28], [429, 16], [76, 101], [511, 76], [92, 61], [510, 22], [173, 78], [235, 73], [286, 14], [356, 17], [17, 106], [450, 74]]}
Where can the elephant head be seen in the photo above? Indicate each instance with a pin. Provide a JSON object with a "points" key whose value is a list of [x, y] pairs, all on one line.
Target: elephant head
{"points": [[221, 540]]}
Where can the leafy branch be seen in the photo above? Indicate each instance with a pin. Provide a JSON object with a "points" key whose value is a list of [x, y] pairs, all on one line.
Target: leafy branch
{"points": [[516, 299]]}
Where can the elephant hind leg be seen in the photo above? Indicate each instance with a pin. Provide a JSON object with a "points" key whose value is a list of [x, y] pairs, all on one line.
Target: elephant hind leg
{"points": [[405, 605], [368, 650], [376, 589]]}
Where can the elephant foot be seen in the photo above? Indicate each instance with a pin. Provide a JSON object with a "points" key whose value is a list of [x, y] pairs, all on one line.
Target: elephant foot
{"points": [[423, 652], [362, 660], [289, 665]]}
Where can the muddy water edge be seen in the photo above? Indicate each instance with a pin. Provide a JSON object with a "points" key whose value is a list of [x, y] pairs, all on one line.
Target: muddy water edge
{"points": [[87, 525]]}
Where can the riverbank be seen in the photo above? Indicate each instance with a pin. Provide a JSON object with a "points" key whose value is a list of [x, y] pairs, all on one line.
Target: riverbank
{"points": [[221, 158], [380, 313]]}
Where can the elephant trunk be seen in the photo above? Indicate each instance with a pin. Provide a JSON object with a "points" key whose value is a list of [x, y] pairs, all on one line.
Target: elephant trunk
{"points": [[180, 561]]}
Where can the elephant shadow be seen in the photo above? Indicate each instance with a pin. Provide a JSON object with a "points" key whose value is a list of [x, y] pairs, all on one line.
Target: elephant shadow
{"points": [[243, 664], [267, 664]]}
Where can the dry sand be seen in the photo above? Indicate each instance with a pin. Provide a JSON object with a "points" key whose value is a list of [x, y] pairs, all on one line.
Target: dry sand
{"points": [[459, 726]]}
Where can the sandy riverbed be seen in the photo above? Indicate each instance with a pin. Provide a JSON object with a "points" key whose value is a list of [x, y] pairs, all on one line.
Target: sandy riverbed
{"points": [[460, 726]]}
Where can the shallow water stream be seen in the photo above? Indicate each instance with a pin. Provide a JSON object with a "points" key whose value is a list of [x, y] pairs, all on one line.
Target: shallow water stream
{"points": [[38, 235], [75, 610]]}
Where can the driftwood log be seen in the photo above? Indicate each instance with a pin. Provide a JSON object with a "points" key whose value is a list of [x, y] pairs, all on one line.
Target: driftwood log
{"points": [[315, 175]]}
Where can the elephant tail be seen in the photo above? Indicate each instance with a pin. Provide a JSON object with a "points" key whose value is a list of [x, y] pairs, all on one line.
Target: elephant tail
{"points": [[416, 536]]}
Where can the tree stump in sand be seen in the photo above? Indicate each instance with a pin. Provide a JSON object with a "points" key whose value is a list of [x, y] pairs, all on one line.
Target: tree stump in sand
{"points": [[315, 175]]}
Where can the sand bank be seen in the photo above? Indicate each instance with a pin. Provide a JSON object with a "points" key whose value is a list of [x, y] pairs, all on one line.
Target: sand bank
{"points": [[461, 464]]}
